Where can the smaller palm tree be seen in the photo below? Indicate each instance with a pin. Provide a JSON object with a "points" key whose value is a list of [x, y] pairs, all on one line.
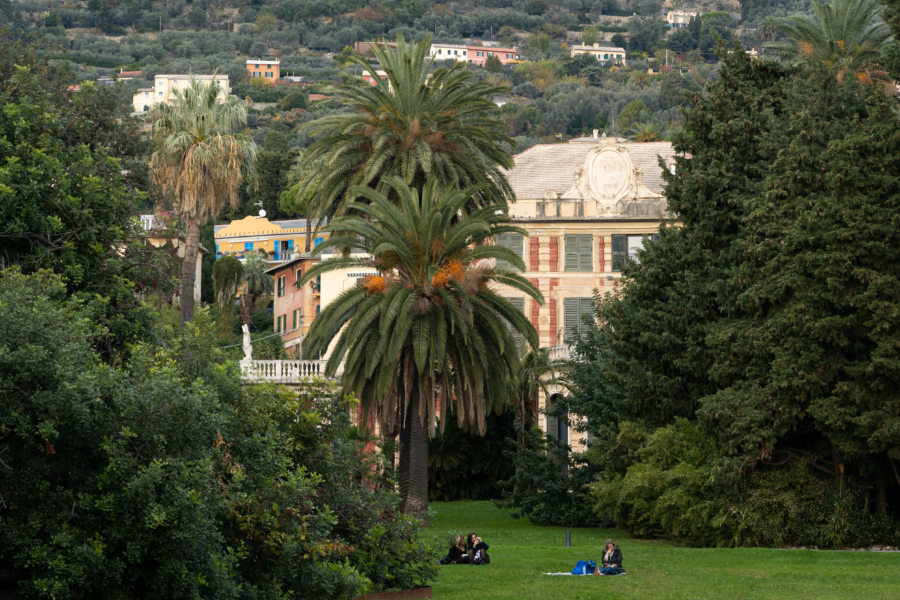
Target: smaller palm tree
{"points": [[847, 35], [228, 272], [254, 284], [647, 131], [537, 374], [768, 29]]}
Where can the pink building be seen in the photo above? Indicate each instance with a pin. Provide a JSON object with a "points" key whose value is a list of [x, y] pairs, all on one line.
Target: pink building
{"points": [[294, 307], [479, 54]]}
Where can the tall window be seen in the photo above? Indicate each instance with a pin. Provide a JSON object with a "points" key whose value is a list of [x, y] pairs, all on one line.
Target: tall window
{"points": [[576, 309], [625, 248], [579, 253], [281, 285], [557, 428], [513, 241], [518, 340]]}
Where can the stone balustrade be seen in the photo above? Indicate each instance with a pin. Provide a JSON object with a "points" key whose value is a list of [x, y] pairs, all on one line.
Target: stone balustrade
{"points": [[282, 371], [561, 352]]}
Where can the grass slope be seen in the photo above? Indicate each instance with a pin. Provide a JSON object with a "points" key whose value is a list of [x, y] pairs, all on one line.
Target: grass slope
{"points": [[521, 551]]}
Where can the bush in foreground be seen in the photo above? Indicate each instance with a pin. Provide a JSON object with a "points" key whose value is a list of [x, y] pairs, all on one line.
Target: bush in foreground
{"points": [[162, 477]]}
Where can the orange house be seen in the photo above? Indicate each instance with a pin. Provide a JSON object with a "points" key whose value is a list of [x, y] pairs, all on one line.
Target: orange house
{"points": [[294, 306], [267, 69]]}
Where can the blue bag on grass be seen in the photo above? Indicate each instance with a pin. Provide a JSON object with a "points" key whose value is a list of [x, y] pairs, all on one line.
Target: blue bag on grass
{"points": [[584, 567]]}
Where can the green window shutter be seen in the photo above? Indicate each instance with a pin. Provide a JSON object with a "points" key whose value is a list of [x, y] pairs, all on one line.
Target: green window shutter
{"points": [[574, 312], [518, 340], [570, 318], [585, 254], [294, 318], [578, 253], [619, 251], [571, 253], [585, 308], [513, 241]]}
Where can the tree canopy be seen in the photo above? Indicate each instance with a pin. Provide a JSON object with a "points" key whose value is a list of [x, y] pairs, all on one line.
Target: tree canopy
{"points": [[759, 327]]}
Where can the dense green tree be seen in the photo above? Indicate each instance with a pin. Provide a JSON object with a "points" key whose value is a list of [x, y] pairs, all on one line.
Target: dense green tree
{"points": [[658, 355], [201, 158], [493, 65], [63, 206], [273, 161], [764, 318], [633, 112], [427, 332], [294, 99], [810, 343], [645, 33], [415, 123], [892, 50], [163, 476]]}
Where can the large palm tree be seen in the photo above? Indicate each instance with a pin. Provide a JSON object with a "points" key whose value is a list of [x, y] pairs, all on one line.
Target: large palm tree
{"points": [[201, 158], [416, 123], [847, 35], [428, 330]]}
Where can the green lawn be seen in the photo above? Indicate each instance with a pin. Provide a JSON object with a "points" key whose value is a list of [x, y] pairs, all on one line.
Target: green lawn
{"points": [[520, 552]]}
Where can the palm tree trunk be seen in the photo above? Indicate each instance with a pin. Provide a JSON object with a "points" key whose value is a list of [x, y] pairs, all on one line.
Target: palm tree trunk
{"points": [[413, 476], [189, 270]]}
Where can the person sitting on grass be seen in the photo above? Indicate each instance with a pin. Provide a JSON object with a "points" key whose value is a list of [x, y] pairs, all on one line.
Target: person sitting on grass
{"points": [[612, 560], [477, 550], [457, 553]]}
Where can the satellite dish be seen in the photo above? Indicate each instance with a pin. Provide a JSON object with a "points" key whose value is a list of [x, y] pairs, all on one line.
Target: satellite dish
{"points": [[262, 212]]}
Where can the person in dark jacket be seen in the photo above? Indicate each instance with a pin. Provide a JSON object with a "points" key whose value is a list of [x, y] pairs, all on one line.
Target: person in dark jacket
{"points": [[477, 550], [457, 554], [612, 560]]}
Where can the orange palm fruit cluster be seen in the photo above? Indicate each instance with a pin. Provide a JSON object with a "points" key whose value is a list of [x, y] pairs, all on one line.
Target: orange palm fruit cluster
{"points": [[375, 284], [454, 270]]}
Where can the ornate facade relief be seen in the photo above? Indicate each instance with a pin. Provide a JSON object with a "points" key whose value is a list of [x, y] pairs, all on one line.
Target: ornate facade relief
{"points": [[608, 183]]}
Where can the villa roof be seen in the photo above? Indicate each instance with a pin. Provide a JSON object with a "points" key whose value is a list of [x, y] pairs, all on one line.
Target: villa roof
{"points": [[552, 166], [253, 225]]}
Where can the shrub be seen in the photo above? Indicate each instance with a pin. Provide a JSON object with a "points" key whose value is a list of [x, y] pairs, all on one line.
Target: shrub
{"points": [[550, 484], [667, 490], [796, 506], [466, 465]]}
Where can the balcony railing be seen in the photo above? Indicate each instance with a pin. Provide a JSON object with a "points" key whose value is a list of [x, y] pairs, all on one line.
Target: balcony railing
{"points": [[282, 371], [561, 352]]}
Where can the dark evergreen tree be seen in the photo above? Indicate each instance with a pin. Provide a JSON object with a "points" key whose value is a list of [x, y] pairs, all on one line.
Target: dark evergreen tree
{"points": [[655, 330]]}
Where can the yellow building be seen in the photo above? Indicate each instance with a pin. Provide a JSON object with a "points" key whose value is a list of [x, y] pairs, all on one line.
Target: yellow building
{"points": [[602, 53], [164, 87], [588, 206], [277, 239]]}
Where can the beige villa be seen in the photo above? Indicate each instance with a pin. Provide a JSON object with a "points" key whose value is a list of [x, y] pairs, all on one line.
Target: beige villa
{"points": [[588, 206]]}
